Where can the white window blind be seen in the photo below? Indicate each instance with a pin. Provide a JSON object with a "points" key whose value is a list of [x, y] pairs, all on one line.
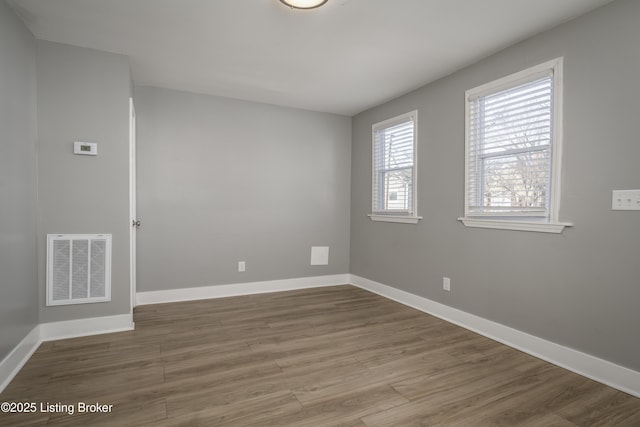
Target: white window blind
{"points": [[510, 142], [394, 166]]}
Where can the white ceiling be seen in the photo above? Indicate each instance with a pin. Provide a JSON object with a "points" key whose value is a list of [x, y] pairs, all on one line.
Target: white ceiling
{"points": [[343, 58]]}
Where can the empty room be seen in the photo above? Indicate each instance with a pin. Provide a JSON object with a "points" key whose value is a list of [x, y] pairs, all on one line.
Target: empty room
{"points": [[319, 213]]}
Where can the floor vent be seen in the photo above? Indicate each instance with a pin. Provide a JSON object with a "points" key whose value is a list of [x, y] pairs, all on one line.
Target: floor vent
{"points": [[78, 268]]}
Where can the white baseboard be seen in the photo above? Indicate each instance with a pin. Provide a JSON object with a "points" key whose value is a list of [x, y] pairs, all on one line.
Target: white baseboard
{"points": [[603, 371], [600, 370], [251, 288], [14, 361], [84, 327]]}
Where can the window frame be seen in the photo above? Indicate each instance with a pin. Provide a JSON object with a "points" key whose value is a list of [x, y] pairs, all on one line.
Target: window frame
{"points": [[410, 216], [546, 224]]}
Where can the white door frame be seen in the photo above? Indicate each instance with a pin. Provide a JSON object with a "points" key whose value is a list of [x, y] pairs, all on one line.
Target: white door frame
{"points": [[132, 202]]}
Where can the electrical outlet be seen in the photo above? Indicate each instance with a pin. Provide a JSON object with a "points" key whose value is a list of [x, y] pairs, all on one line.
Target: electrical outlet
{"points": [[241, 266], [626, 200], [446, 284]]}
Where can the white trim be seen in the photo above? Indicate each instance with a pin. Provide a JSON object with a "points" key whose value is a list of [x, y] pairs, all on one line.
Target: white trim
{"points": [[558, 137], [546, 69], [14, 361], [84, 327], [132, 204], [540, 227], [554, 67], [603, 371], [395, 218], [237, 289], [616, 376], [402, 118]]}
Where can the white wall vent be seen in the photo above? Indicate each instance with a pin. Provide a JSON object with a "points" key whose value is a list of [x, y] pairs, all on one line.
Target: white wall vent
{"points": [[78, 268]]}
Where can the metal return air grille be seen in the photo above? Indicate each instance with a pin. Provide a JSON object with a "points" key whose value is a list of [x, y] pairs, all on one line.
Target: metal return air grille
{"points": [[78, 268]]}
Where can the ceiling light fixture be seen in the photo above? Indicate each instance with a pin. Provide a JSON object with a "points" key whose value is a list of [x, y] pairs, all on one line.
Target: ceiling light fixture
{"points": [[303, 4]]}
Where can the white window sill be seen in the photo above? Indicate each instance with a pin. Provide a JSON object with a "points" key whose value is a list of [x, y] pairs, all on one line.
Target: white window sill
{"points": [[395, 218], [540, 227]]}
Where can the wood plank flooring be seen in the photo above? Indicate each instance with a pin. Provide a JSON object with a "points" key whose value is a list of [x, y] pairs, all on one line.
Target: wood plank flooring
{"points": [[317, 357]]}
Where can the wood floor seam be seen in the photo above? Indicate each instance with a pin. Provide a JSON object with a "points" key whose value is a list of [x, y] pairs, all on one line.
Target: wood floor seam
{"points": [[313, 357]]}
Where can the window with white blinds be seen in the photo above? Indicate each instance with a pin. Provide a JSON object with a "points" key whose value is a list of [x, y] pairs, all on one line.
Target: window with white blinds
{"points": [[512, 147], [394, 170]]}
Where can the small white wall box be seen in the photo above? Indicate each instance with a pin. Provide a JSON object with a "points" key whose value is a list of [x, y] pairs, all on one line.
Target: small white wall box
{"points": [[319, 255], [85, 148]]}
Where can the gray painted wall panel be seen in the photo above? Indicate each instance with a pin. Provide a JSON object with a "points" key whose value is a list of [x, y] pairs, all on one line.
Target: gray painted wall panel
{"points": [[580, 289], [83, 95], [18, 130], [222, 181]]}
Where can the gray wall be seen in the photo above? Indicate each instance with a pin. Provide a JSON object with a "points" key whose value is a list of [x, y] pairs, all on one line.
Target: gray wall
{"points": [[580, 289], [83, 95], [221, 180], [18, 279]]}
